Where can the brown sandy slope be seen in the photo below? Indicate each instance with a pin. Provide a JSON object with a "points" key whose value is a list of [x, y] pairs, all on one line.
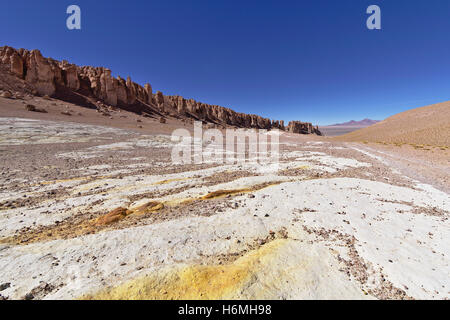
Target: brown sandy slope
{"points": [[428, 125]]}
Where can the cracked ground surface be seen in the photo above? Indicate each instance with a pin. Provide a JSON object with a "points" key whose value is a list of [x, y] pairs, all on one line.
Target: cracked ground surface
{"points": [[96, 212]]}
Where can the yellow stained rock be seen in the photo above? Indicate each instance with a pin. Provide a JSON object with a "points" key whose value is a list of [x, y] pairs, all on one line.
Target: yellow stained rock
{"points": [[64, 180], [197, 282], [169, 181], [113, 216], [121, 213], [149, 207], [223, 193]]}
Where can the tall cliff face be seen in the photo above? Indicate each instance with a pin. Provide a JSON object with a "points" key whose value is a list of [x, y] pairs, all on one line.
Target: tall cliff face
{"points": [[91, 86]]}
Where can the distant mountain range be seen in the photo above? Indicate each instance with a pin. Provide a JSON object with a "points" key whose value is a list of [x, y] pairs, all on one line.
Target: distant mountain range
{"points": [[353, 123]]}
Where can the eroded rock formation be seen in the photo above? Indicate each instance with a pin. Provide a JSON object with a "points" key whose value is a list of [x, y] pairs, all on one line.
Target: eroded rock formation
{"points": [[303, 128], [93, 85]]}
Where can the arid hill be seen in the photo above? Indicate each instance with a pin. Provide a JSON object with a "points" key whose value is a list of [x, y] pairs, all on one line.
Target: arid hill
{"points": [[428, 125], [25, 71]]}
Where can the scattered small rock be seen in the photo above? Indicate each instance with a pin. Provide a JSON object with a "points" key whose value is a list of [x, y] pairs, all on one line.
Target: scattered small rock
{"points": [[6, 94], [28, 296], [30, 107], [4, 286]]}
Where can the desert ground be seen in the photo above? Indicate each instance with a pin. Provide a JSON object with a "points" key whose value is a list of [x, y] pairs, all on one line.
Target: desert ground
{"points": [[332, 131], [92, 207], [339, 129]]}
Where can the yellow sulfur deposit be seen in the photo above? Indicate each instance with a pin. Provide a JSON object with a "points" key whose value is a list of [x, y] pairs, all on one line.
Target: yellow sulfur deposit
{"points": [[149, 207], [195, 282], [169, 181]]}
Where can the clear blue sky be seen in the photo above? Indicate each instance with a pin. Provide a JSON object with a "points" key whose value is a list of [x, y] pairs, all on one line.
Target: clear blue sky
{"points": [[309, 60]]}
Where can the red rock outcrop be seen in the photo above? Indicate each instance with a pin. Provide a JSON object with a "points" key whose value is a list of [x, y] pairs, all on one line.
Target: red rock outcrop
{"points": [[39, 72], [71, 83], [303, 128]]}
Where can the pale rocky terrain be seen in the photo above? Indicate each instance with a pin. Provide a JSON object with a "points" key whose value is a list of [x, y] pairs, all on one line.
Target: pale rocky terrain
{"points": [[95, 209]]}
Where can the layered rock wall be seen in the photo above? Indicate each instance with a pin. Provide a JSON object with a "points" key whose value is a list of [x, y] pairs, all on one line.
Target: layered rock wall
{"points": [[303, 128], [67, 81]]}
